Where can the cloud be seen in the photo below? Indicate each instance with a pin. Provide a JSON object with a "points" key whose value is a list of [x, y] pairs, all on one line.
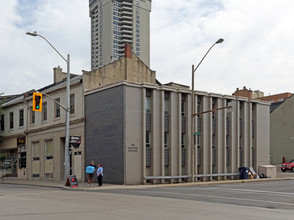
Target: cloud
{"points": [[257, 51], [27, 62]]}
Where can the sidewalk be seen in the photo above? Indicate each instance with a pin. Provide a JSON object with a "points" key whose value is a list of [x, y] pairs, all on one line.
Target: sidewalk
{"points": [[84, 186]]}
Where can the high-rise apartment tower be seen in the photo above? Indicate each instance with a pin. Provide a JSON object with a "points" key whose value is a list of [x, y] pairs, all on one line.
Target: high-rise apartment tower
{"points": [[115, 23]]}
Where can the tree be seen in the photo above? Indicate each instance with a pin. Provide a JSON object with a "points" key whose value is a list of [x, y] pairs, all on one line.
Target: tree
{"points": [[2, 100]]}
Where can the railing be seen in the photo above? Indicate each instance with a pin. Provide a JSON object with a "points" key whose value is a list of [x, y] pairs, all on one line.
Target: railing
{"points": [[217, 174], [166, 177], [188, 176]]}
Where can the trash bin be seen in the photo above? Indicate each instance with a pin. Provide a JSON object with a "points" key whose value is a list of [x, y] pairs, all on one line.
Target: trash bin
{"points": [[244, 172]]}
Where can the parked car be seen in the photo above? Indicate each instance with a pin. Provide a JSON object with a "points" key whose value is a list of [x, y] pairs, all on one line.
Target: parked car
{"points": [[288, 166]]}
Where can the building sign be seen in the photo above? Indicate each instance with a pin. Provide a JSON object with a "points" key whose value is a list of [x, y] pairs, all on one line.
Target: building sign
{"points": [[72, 181], [75, 141], [132, 148], [21, 140]]}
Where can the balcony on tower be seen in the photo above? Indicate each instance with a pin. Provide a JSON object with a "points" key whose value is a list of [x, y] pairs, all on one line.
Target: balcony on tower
{"points": [[126, 8], [127, 21], [127, 13]]}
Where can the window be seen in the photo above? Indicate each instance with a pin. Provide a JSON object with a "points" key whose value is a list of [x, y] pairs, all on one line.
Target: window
{"points": [[44, 111], [21, 115], [165, 139], [49, 149], [183, 106], [166, 103], [2, 122], [32, 113], [57, 108], [214, 105], [183, 141], [72, 103], [199, 105], [148, 104], [148, 149], [240, 127], [240, 156], [148, 139], [227, 157], [35, 151], [11, 120]]}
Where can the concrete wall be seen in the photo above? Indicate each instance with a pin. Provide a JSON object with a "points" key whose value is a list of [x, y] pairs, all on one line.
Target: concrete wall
{"points": [[262, 141], [133, 70], [133, 135], [282, 135]]}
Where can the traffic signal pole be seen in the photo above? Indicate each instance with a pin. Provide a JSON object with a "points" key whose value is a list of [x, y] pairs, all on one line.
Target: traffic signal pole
{"points": [[66, 148], [193, 112], [50, 97], [67, 109]]}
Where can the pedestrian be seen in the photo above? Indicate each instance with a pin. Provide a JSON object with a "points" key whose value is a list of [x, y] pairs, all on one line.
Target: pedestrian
{"points": [[91, 170], [100, 174]]}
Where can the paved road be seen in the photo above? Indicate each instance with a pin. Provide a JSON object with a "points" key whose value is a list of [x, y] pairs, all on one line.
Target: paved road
{"points": [[270, 194], [230, 201]]}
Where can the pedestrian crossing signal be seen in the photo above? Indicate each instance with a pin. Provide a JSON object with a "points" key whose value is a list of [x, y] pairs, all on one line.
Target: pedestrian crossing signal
{"points": [[37, 101]]}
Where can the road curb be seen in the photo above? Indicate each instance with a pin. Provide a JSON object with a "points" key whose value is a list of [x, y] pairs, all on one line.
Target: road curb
{"points": [[123, 187]]}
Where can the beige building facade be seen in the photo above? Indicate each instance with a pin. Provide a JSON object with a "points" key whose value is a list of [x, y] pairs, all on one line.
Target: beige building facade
{"points": [[34, 141], [154, 141]]}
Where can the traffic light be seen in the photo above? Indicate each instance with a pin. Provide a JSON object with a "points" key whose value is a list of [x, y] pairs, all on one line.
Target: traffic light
{"points": [[37, 101]]}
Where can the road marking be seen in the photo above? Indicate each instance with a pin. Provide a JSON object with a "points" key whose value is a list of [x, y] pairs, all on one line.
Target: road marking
{"points": [[33, 193], [285, 194], [256, 191], [219, 197]]}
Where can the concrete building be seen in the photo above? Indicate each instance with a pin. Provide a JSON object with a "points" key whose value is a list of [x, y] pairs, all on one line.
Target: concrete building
{"points": [[34, 141], [139, 129], [256, 94], [248, 93], [115, 23], [282, 131], [276, 98], [141, 132]]}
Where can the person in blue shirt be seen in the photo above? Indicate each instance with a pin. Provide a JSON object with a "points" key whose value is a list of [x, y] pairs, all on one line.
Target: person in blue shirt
{"points": [[100, 174], [91, 175]]}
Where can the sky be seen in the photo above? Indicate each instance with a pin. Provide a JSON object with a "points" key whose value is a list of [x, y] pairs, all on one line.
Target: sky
{"points": [[257, 52]]}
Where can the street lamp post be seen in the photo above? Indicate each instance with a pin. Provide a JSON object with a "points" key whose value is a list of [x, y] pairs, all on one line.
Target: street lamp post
{"points": [[193, 109], [67, 109]]}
